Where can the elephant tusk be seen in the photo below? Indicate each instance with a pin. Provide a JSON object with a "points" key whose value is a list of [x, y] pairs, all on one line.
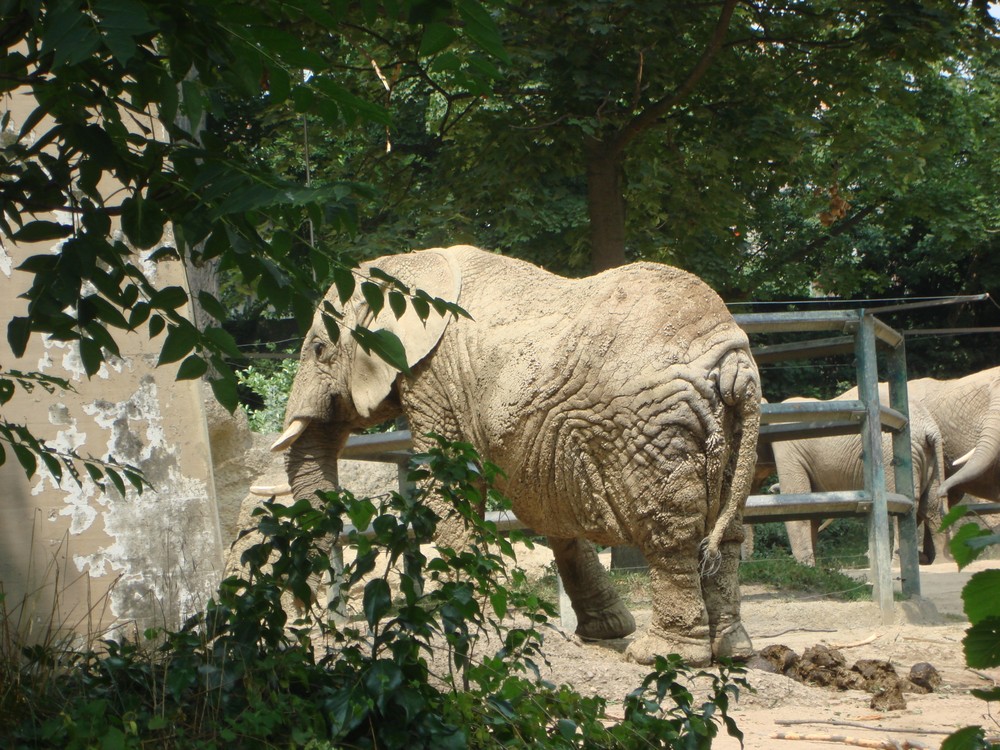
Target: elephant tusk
{"points": [[264, 490], [962, 459], [290, 435]]}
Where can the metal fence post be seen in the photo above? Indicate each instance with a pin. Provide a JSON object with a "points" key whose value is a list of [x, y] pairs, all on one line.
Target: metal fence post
{"points": [[909, 543], [879, 550]]}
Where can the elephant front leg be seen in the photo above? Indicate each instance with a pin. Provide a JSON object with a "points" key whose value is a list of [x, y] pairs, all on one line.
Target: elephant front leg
{"points": [[600, 613]]}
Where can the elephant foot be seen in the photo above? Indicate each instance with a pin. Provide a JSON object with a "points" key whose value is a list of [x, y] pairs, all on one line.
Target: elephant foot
{"points": [[695, 651], [614, 621], [732, 642]]}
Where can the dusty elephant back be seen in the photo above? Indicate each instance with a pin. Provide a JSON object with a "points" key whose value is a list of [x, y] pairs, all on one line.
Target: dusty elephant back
{"points": [[599, 397]]}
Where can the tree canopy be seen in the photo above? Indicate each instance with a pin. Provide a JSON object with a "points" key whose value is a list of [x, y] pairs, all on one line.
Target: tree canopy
{"points": [[758, 144]]}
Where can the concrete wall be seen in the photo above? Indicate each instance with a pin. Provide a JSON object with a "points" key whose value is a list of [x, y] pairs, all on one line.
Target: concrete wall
{"points": [[73, 556]]}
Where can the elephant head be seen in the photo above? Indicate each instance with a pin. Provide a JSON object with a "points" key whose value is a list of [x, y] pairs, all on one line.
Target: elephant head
{"points": [[983, 458], [341, 387]]}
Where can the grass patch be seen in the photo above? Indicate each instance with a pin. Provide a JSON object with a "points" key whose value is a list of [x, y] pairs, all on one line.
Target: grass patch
{"points": [[783, 572], [632, 586], [842, 545]]}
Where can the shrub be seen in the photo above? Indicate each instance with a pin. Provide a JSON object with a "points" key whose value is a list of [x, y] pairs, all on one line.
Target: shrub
{"points": [[241, 674], [270, 380], [981, 602]]}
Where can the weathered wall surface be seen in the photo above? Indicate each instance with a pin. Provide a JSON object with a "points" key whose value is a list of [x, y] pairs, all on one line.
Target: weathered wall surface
{"points": [[73, 555]]}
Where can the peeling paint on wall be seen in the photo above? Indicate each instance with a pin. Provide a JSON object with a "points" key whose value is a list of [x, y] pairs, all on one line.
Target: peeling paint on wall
{"points": [[154, 558], [78, 556]]}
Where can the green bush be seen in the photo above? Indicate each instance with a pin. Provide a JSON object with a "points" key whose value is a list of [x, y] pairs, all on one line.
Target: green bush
{"points": [[240, 674], [981, 602], [271, 380]]}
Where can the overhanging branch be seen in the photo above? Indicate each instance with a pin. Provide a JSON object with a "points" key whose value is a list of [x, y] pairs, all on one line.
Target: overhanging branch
{"points": [[650, 115]]}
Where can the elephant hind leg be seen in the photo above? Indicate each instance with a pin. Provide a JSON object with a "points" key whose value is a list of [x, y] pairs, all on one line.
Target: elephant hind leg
{"points": [[680, 622], [600, 612], [721, 591]]}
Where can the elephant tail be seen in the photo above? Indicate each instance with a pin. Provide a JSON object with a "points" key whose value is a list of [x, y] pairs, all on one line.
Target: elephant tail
{"points": [[735, 456]]}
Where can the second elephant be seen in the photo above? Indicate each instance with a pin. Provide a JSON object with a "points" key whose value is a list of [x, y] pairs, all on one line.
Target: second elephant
{"points": [[833, 464], [967, 410]]}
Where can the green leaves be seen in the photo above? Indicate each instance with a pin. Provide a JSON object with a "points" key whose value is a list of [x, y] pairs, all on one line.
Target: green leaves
{"points": [[982, 643], [967, 738], [384, 344], [142, 221], [69, 34], [377, 600], [480, 27]]}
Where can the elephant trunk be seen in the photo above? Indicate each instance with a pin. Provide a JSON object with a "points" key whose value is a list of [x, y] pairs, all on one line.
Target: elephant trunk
{"points": [[983, 458], [311, 461]]}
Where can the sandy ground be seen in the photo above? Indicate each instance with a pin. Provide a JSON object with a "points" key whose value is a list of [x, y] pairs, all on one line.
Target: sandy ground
{"points": [[927, 630]]}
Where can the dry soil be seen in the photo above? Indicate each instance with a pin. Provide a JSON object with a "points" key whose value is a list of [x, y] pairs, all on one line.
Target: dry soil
{"points": [[926, 630]]}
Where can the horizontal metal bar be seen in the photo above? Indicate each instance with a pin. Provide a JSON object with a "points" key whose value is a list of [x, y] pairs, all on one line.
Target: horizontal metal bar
{"points": [[886, 334], [949, 331], [892, 419], [364, 447], [803, 430], [826, 347], [807, 505], [811, 411], [984, 508], [830, 320], [759, 509], [958, 299], [817, 411]]}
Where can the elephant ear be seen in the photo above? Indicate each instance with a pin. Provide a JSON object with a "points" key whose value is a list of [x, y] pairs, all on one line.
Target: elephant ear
{"points": [[433, 271]]}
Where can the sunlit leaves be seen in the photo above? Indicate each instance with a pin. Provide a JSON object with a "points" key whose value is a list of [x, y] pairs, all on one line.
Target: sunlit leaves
{"points": [[385, 344]]}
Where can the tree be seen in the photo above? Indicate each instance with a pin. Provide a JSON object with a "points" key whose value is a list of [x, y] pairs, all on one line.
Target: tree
{"points": [[119, 88], [671, 131]]}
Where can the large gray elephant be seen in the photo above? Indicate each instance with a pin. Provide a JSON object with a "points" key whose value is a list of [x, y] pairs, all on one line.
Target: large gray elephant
{"points": [[624, 409], [967, 410], [833, 464]]}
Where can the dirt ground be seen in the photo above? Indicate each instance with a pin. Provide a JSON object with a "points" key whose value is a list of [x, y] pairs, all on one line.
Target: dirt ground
{"points": [[928, 630]]}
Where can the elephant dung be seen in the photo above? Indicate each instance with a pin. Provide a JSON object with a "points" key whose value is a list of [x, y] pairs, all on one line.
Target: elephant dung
{"points": [[888, 699], [776, 658], [820, 666], [878, 673], [924, 677]]}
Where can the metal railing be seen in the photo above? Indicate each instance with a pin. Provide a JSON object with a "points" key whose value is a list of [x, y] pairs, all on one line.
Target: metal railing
{"points": [[864, 335]]}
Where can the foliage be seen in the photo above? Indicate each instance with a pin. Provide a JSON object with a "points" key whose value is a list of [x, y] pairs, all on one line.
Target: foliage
{"points": [[981, 602], [783, 571], [271, 381], [439, 662], [116, 165], [841, 174]]}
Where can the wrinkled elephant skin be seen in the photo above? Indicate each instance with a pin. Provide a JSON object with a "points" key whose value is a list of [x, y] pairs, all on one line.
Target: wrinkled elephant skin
{"points": [[623, 408], [968, 412]]}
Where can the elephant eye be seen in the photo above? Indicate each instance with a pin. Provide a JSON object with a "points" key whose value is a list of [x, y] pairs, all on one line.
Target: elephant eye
{"points": [[318, 348]]}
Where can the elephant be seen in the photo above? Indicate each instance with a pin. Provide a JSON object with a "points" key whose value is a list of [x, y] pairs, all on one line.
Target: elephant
{"points": [[967, 410], [623, 409], [833, 463]]}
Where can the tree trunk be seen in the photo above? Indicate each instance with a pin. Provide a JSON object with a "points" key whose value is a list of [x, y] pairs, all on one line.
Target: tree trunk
{"points": [[605, 206]]}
